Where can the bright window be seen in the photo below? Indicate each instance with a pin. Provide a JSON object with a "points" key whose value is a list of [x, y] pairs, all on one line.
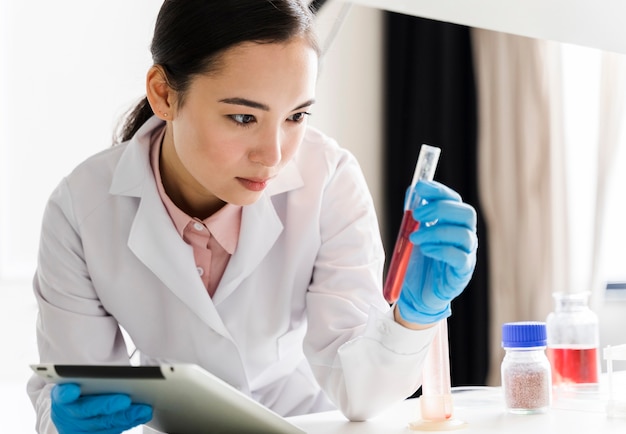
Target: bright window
{"points": [[581, 94]]}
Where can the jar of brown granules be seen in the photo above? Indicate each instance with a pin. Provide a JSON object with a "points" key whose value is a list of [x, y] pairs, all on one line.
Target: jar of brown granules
{"points": [[526, 376]]}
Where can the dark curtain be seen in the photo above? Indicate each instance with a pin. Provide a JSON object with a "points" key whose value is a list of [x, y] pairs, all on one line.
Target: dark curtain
{"points": [[430, 98]]}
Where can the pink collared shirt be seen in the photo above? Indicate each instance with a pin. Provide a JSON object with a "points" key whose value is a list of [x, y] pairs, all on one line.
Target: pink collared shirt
{"points": [[213, 239]]}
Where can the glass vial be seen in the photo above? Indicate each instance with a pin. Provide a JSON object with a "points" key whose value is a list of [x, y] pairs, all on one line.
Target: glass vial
{"points": [[573, 342], [525, 370]]}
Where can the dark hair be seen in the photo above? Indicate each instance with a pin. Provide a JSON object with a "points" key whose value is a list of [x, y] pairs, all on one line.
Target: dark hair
{"points": [[190, 35]]}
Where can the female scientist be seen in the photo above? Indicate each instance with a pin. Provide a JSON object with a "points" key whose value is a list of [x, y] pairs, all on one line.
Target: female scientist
{"points": [[225, 232]]}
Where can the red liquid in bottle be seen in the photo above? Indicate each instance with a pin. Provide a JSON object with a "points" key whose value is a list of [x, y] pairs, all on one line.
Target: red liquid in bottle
{"points": [[573, 365], [400, 258]]}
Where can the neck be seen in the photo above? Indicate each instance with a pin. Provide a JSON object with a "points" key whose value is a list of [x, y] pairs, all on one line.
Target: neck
{"points": [[181, 187]]}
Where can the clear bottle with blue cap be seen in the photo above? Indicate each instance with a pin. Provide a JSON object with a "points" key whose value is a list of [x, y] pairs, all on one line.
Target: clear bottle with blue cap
{"points": [[525, 369]]}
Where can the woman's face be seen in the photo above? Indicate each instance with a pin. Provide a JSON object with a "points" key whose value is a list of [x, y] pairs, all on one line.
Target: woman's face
{"points": [[238, 126]]}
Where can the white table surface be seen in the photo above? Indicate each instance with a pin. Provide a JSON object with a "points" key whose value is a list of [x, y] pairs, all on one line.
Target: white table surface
{"points": [[482, 409]]}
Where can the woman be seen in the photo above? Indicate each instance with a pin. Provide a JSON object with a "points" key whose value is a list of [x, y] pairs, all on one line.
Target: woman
{"points": [[225, 232]]}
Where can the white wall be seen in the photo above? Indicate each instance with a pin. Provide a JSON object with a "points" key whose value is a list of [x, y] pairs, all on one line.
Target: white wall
{"points": [[68, 71], [350, 99]]}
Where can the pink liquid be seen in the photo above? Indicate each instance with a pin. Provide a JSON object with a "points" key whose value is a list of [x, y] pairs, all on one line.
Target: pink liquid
{"points": [[573, 365], [400, 259]]}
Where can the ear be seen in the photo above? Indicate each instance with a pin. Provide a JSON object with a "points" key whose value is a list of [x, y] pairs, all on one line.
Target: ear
{"points": [[160, 95]]}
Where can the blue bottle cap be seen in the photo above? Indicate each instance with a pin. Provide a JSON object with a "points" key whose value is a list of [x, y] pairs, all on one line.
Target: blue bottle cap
{"points": [[524, 334]]}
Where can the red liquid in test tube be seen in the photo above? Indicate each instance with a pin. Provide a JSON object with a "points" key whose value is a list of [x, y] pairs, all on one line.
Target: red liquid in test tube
{"points": [[400, 258], [424, 170]]}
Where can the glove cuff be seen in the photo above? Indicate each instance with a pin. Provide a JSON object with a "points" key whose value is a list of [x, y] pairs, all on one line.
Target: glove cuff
{"points": [[409, 314]]}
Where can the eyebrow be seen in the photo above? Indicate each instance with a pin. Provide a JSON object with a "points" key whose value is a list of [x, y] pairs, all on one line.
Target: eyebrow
{"points": [[258, 105]]}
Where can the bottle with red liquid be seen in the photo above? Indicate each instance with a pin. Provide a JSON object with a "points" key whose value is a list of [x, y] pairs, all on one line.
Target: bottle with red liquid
{"points": [[573, 343]]}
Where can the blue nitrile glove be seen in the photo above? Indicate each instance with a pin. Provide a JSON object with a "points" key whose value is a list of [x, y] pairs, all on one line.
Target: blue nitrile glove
{"points": [[444, 253], [101, 414]]}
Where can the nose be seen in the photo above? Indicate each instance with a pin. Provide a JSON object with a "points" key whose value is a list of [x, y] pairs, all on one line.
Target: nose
{"points": [[268, 151]]}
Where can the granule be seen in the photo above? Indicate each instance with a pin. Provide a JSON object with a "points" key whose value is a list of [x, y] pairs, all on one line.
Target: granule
{"points": [[526, 387]]}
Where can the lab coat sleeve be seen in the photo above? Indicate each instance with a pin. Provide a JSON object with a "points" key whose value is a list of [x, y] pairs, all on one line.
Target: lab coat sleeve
{"points": [[359, 355], [72, 325], [40, 393], [380, 367], [372, 371]]}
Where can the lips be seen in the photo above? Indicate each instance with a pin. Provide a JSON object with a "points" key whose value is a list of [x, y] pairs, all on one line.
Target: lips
{"points": [[254, 184]]}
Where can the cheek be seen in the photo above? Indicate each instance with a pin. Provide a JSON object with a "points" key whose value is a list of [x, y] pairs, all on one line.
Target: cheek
{"points": [[292, 144], [198, 147], [187, 141]]}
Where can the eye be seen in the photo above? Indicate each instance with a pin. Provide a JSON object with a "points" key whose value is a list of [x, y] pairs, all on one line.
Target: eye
{"points": [[243, 119], [298, 117]]}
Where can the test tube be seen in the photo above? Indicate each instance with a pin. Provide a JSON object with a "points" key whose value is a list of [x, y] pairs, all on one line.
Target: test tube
{"points": [[424, 170], [436, 405], [436, 399]]}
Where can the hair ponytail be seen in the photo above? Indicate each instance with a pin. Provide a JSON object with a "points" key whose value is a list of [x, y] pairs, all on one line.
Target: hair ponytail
{"points": [[132, 120]]}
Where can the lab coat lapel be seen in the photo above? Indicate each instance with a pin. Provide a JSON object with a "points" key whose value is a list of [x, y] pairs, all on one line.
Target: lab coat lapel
{"points": [[153, 237], [156, 243], [260, 228]]}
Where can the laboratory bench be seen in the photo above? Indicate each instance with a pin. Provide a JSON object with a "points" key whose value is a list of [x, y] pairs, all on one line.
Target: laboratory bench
{"points": [[482, 410]]}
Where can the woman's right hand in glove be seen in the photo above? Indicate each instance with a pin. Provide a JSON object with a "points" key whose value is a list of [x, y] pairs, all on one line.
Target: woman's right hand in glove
{"points": [[101, 414]]}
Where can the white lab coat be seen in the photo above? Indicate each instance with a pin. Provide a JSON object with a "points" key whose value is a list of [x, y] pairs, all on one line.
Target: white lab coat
{"points": [[299, 305]]}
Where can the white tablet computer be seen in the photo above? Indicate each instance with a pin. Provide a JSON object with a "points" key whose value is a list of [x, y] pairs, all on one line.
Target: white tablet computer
{"points": [[185, 398]]}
